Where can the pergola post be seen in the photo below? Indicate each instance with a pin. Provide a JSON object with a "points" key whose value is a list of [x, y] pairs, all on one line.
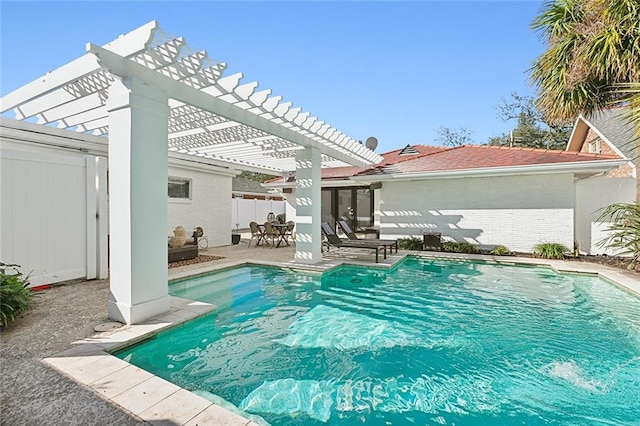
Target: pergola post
{"points": [[308, 213], [138, 117]]}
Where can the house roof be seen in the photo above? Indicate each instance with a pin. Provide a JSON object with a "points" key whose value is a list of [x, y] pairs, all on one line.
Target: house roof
{"points": [[407, 153], [468, 157], [247, 186], [424, 159], [612, 125]]}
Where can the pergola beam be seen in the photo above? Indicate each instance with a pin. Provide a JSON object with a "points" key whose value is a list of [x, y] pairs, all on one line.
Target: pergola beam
{"points": [[129, 44], [126, 68], [81, 67]]}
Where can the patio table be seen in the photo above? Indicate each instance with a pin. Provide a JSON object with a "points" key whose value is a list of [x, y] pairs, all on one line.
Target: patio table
{"points": [[283, 233]]}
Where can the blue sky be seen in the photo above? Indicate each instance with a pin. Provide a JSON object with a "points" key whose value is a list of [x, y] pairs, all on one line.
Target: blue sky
{"points": [[394, 70]]}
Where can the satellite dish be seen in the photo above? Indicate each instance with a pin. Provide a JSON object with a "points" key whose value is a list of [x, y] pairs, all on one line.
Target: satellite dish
{"points": [[371, 143]]}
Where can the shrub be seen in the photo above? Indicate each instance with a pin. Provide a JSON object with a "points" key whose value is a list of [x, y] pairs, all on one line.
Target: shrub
{"points": [[500, 251], [411, 243], [15, 296], [460, 247], [624, 230], [550, 250]]}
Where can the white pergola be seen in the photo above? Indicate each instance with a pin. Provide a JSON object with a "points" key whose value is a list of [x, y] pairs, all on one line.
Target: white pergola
{"points": [[147, 92]]}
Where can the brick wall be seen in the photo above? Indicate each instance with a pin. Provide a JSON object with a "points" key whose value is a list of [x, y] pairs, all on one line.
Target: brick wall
{"points": [[516, 211], [621, 171]]}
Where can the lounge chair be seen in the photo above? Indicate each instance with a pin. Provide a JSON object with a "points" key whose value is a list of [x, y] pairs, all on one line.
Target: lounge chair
{"points": [[334, 241], [353, 237]]}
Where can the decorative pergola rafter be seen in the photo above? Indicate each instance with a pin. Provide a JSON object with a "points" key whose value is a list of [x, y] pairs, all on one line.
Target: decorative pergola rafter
{"points": [[207, 109]]}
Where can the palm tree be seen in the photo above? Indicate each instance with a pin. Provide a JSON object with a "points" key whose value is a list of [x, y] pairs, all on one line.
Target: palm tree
{"points": [[593, 58], [593, 62]]}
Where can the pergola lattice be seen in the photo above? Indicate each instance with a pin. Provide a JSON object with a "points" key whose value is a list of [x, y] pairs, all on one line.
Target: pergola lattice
{"points": [[249, 128]]}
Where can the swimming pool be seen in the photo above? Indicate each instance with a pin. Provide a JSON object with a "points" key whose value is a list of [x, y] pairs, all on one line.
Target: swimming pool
{"points": [[429, 342]]}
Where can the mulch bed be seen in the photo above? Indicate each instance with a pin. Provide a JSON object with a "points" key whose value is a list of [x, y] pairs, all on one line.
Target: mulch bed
{"points": [[614, 261], [201, 258]]}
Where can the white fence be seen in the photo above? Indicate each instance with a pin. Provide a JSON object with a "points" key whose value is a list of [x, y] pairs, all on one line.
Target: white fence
{"points": [[53, 218], [245, 211]]}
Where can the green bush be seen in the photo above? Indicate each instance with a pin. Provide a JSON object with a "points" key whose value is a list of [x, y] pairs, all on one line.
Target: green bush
{"points": [[460, 247], [411, 243], [624, 230], [500, 251], [15, 296], [550, 250]]}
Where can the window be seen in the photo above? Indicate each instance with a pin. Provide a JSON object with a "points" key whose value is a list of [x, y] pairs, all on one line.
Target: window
{"points": [[180, 188], [595, 146]]}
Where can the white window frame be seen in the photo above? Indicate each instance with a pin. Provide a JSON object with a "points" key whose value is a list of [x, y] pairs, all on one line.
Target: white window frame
{"points": [[177, 179], [595, 146]]}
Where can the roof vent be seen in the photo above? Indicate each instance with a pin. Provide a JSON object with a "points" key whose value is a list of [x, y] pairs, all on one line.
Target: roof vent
{"points": [[408, 150]]}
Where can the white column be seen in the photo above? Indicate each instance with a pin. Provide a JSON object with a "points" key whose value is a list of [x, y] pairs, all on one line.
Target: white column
{"points": [[138, 117], [97, 212], [308, 213], [92, 224], [102, 217]]}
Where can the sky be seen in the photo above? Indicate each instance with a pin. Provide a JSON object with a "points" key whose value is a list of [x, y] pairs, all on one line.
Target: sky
{"points": [[398, 71]]}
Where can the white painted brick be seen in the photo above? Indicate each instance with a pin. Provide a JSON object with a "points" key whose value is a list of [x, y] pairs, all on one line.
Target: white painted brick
{"points": [[209, 207], [516, 211]]}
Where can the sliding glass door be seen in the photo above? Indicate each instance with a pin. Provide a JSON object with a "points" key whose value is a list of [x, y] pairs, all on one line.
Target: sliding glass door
{"points": [[353, 204]]}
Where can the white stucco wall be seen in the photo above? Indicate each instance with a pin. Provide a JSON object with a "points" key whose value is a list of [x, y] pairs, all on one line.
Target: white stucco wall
{"points": [[290, 204], [592, 195], [209, 206], [515, 211]]}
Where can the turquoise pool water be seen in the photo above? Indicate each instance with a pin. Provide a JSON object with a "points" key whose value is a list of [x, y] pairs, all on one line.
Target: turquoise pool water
{"points": [[430, 342]]}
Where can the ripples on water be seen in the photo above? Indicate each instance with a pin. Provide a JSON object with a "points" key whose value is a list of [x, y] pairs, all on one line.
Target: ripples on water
{"points": [[431, 342]]}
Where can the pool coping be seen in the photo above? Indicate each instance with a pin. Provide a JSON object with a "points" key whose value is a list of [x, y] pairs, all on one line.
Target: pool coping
{"points": [[152, 399]]}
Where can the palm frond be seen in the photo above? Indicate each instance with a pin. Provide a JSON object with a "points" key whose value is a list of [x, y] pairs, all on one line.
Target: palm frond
{"points": [[624, 229]]}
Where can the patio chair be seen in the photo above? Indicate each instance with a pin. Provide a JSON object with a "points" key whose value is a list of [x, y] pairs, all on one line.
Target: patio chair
{"points": [[334, 241], [270, 232], [256, 233], [353, 237]]}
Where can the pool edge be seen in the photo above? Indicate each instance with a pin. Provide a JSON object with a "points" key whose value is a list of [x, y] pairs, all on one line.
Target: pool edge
{"points": [[91, 363]]}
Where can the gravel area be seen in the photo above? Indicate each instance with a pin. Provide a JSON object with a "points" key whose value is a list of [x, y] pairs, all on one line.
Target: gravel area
{"points": [[31, 393]]}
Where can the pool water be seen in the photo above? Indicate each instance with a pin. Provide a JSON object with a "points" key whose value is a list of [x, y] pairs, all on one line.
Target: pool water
{"points": [[429, 342]]}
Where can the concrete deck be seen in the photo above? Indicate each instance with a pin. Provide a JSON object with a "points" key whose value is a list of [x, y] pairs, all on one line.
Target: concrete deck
{"points": [[97, 388]]}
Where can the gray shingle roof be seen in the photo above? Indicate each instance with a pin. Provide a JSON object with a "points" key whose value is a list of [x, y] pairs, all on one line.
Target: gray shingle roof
{"points": [[247, 185], [614, 126]]}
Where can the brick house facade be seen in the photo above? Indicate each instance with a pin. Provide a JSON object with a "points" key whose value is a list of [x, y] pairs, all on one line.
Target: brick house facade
{"points": [[609, 133]]}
